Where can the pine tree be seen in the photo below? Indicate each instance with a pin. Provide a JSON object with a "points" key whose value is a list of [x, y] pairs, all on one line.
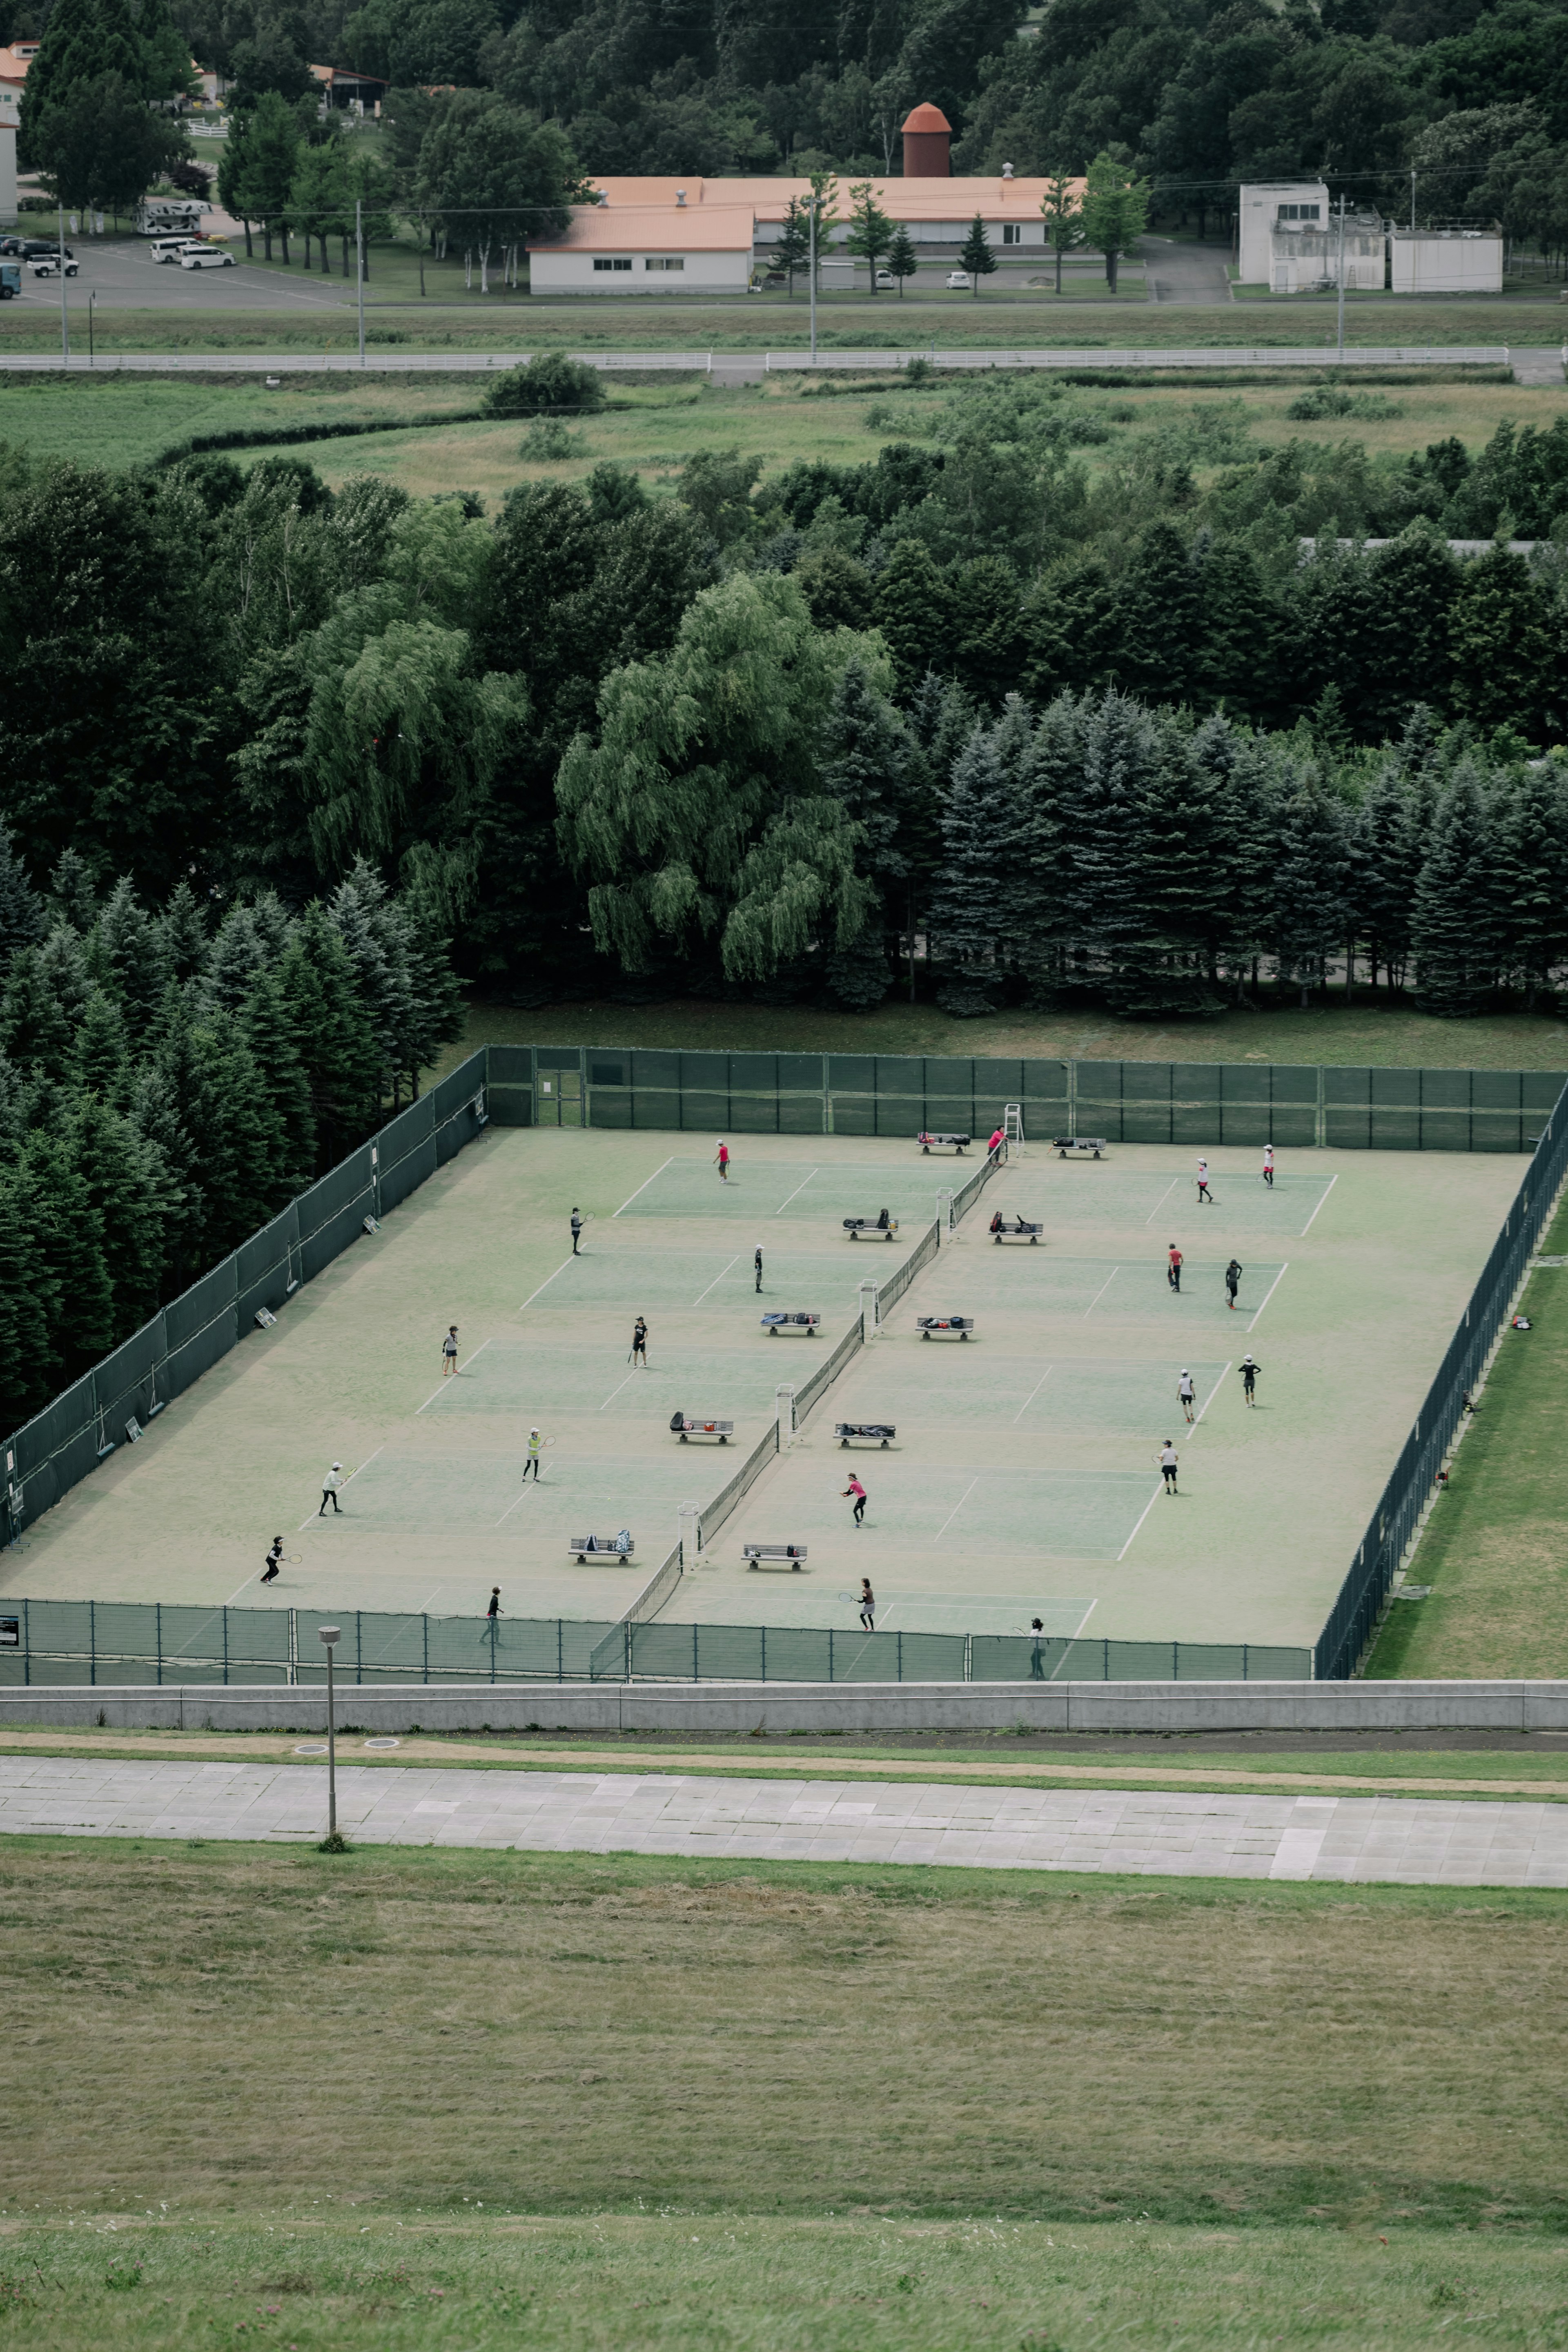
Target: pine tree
{"points": [[66, 969], [156, 1119], [1069, 629], [337, 1044], [34, 1029], [73, 894], [1241, 629], [1385, 864], [267, 1022], [121, 1173], [233, 961], [69, 1234], [244, 1179], [975, 256], [29, 1300], [864, 766], [185, 929], [1504, 662], [1530, 819], [15, 1111], [974, 912], [1045, 896], [132, 957], [21, 912], [1159, 619], [912, 614], [1308, 881], [1244, 818], [1102, 825], [100, 1052], [986, 627], [902, 259], [1166, 960], [1455, 933]]}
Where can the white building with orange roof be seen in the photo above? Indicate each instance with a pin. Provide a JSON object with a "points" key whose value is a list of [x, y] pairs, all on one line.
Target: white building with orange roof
{"points": [[666, 234]]}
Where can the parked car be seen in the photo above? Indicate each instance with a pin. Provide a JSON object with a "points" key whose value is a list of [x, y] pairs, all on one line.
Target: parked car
{"points": [[206, 256], [885, 278], [48, 265], [10, 280], [29, 248], [958, 281], [169, 248]]}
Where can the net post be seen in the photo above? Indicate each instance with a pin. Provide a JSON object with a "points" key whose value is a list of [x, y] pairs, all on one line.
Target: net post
{"points": [[687, 1535], [946, 1222], [869, 1314], [784, 1408]]}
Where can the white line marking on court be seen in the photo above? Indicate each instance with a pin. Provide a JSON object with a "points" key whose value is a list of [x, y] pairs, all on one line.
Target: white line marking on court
{"points": [[517, 1498], [1099, 1294], [1141, 1517], [642, 1187], [1327, 1190], [1270, 1291], [799, 1188], [315, 1513], [714, 1283], [1213, 1392], [1161, 1201], [609, 1400], [954, 1512], [1034, 1392], [550, 1278], [234, 1595], [1073, 1637], [445, 1376]]}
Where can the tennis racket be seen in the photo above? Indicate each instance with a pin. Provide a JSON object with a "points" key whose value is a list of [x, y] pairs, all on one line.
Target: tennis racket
{"points": [[295, 1558], [851, 1597]]}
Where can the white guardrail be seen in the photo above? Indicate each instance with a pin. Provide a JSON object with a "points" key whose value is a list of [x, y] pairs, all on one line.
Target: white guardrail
{"points": [[347, 362]]}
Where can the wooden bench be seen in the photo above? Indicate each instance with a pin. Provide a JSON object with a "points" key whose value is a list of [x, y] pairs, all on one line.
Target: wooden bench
{"points": [[959, 1143], [869, 1433], [1020, 1230], [884, 1225], [773, 1324], [723, 1430], [930, 1326], [1080, 1147], [773, 1555], [584, 1548]]}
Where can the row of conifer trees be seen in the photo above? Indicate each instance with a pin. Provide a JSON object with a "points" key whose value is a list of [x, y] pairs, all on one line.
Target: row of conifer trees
{"points": [[168, 1082]]}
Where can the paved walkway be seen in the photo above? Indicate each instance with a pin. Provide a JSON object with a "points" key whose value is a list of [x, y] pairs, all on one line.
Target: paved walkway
{"points": [[1412, 1842]]}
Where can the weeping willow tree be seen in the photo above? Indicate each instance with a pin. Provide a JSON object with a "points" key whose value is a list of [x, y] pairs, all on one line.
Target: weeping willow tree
{"points": [[698, 810]]}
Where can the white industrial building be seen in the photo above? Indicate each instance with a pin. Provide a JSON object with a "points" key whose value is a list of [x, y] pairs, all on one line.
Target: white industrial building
{"points": [[1259, 205], [659, 234], [1305, 259], [1457, 260]]}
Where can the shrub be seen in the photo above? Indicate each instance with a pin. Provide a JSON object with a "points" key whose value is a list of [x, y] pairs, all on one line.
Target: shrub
{"points": [[551, 382]]}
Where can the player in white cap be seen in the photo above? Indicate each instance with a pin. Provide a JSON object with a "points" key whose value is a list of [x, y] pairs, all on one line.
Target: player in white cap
{"points": [[1186, 1391]]}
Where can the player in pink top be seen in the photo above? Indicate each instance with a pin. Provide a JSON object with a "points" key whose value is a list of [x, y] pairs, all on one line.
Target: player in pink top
{"points": [[855, 1488]]}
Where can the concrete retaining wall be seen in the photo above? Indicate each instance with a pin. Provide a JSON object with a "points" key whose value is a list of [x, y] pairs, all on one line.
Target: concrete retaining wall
{"points": [[854, 1707]]}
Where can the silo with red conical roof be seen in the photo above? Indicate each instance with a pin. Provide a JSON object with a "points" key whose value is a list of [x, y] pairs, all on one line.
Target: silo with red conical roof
{"points": [[928, 139]]}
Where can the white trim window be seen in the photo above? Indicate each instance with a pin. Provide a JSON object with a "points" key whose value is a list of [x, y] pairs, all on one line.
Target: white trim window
{"points": [[607, 263], [676, 263]]}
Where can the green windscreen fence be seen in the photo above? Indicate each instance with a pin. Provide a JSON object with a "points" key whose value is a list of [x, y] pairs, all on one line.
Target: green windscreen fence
{"points": [[52, 1642], [1293, 1106]]}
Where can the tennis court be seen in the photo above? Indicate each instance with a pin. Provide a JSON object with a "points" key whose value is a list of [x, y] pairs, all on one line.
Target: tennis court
{"points": [[1022, 1481]]}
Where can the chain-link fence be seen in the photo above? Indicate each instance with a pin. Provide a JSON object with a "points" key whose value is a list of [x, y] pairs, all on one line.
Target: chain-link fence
{"points": [[1361, 1597], [111, 1405], [1352, 1108], [104, 1644]]}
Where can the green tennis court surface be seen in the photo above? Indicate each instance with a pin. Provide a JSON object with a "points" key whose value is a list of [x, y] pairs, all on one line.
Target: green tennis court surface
{"points": [[1022, 1481]]}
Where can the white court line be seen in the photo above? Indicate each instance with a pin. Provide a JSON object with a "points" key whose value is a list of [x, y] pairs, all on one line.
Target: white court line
{"points": [[1161, 1201], [642, 1187], [1073, 1637], [1099, 1294], [315, 1513], [446, 1376], [1141, 1517], [518, 1496], [609, 1400], [954, 1512], [1213, 1392], [799, 1188], [1327, 1190], [1270, 1291], [559, 1269], [1034, 1392], [712, 1285]]}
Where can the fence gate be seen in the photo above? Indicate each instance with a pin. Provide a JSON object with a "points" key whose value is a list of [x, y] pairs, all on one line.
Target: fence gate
{"points": [[558, 1095]]}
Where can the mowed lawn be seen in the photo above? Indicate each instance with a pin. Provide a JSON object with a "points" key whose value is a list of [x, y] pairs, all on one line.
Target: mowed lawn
{"points": [[1496, 1544], [233, 2030]]}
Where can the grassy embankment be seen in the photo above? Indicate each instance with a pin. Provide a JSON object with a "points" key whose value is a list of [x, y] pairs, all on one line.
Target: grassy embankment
{"points": [[1496, 1542], [688, 2103]]}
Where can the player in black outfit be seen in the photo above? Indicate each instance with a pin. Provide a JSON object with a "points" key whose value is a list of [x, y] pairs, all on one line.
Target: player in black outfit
{"points": [[1249, 1371]]}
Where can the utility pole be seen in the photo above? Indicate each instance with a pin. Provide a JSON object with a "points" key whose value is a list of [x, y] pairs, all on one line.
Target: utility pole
{"points": [[359, 258], [65, 322], [1411, 203], [812, 275], [1342, 277]]}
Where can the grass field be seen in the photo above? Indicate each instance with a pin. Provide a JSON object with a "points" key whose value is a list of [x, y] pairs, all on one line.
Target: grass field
{"points": [[655, 429], [1366, 1031], [1010, 314], [1494, 1545], [1022, 1480], [851, 2284]]}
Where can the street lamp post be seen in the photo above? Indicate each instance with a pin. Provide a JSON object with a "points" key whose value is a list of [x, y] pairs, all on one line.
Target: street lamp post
{"points": [[329, 1636]]}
